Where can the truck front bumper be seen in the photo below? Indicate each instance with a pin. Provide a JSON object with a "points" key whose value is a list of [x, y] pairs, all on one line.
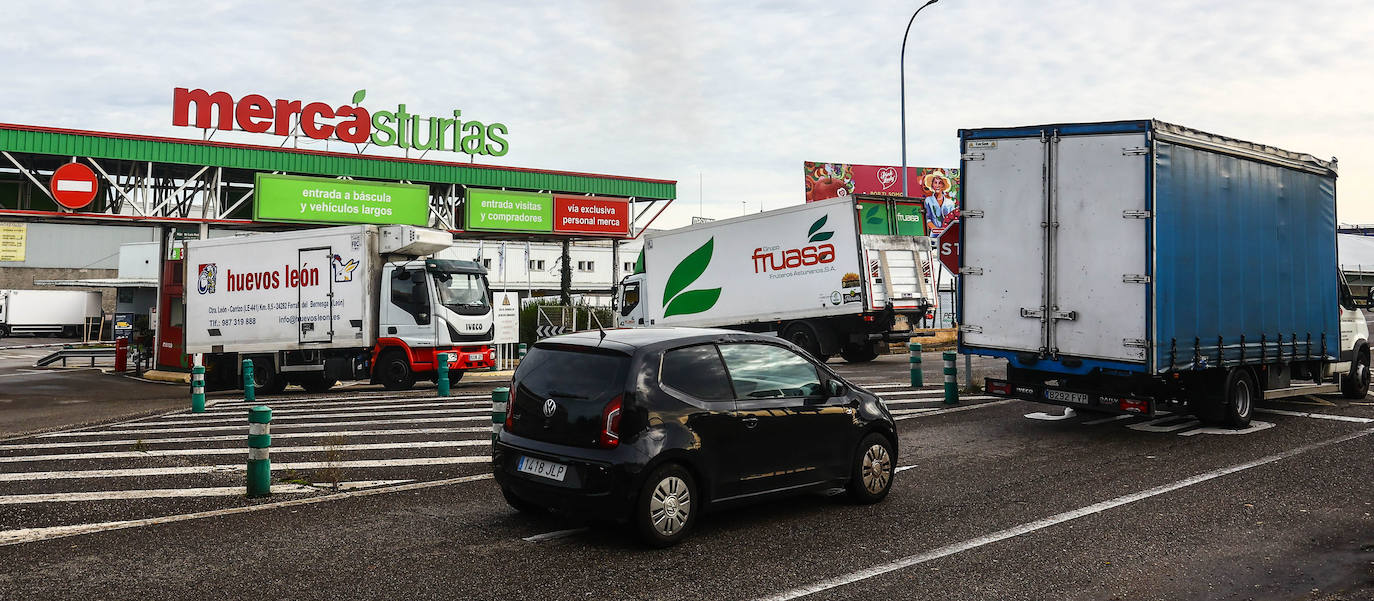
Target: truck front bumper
{"points": [[1057, 395]]}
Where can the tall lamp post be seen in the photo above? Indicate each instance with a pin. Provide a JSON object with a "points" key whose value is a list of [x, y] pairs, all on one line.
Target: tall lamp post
{"points": [[903, 78]]}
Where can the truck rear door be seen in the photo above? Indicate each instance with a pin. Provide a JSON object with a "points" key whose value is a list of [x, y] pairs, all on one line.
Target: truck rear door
{"points": [[315, 294], [1055, 245]]}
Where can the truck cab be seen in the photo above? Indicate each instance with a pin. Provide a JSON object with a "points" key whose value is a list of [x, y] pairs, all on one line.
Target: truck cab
{"points": [[630, 313], [431, 306]]}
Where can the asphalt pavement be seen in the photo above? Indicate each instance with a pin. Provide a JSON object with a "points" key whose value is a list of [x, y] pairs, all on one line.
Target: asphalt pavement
{"points": [[995, 499]]}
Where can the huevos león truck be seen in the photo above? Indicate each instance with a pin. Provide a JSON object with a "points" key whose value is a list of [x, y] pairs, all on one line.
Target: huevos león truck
{"points": [[312, 307], [804, 272], [1133, 266]]}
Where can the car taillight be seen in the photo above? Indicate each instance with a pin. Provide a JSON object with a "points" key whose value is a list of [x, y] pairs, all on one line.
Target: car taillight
{"points": [[610, 424]]}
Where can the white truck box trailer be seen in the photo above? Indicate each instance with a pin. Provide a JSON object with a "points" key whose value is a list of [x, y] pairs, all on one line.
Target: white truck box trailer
{"points": [[50, 312], [315, 306], [804, 272]]}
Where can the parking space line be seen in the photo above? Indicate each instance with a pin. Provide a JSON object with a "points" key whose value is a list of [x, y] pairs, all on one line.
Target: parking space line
{"points": [[958, 409], [25, 535], [239, 467], [239, 437], [555, 535], [175, 493], [1338, 418], [275, 426], [418, 444], [1026, 528]]}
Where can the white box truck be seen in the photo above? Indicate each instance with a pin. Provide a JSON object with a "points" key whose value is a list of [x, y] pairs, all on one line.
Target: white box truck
{"points": [[47, 312], [804, 272], [312, 307]]}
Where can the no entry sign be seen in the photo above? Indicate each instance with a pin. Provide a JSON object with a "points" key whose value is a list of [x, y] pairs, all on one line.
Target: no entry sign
{"points": [[73, 185], [949, 247]]}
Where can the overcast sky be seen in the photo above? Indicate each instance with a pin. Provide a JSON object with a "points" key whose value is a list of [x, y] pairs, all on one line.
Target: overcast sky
{"points": [[735, 93]]}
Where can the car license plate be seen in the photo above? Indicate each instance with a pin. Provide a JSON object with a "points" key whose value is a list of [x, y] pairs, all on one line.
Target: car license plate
{"points": [[543, 469], [474, 356], [1067, 397]]}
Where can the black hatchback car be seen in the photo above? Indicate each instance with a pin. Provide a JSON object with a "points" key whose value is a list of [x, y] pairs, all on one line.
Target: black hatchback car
{"points": [[652, 425]]}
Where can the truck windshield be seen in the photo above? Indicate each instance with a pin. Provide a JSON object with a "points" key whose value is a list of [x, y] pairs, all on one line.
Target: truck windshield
{"points": [[463, 293]]}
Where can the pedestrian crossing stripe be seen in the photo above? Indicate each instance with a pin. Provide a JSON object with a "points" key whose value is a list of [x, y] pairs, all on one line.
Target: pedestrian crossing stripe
{"points": [[275, 426], [240, 467], [174, 493], [419, 444], [237, 438]]}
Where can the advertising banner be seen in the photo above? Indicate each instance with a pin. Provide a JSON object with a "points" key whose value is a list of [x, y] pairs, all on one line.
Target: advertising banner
{"points": [[297, 199], [13, 241], [937, 187], [591, 215], [504, 211]]}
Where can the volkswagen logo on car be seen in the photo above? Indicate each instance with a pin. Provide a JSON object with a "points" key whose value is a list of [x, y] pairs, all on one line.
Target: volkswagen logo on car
{"points": [[549, 407]]}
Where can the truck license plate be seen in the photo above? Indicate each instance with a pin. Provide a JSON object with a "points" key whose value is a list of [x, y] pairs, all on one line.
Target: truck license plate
{"points": [[543, 469], [474, 356], [1065, 396]]}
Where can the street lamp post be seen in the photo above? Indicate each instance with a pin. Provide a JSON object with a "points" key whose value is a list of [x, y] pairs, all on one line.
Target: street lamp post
{"points": [[903, 79]]}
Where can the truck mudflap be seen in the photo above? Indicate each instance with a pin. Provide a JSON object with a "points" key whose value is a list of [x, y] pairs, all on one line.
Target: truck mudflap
{"points": [[1077, 399]]}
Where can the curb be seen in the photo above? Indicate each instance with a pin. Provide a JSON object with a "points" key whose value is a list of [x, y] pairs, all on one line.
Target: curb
{"points": [[171, 377], [23, 346]]}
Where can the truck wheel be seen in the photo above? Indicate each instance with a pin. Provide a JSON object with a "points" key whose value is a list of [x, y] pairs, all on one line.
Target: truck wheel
{"points": [[1355, 385], [1236, 403], [393, 370], [317, 383], [4, 331], [266, 380], [454, 375], [859, 353], [803, 335]]}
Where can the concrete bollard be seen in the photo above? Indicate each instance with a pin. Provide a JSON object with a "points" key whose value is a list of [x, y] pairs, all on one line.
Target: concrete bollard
{"points": [[259, 448], [500, 399], [442, 379], [198, 389], [248, 393], [951, 387], [918, 379]]}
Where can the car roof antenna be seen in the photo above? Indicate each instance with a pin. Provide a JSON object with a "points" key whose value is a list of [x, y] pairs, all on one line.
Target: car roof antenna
{"points": [[603, 332]]}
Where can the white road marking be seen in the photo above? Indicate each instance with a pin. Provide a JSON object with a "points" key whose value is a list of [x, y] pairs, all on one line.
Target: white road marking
{"points": [[1109, 419], [912, 393], [902, 469], [1171, 424], [375, 398], [171, 493], [1050, 417], [243, 427], [419, 444], [1255, 426], [912, 411], [958, 409], [1041, 524], [218, 412], [276, 420], [26, 535], [239, 467], [893, 385], [555, 535], [231, 438], [1338, 418]]}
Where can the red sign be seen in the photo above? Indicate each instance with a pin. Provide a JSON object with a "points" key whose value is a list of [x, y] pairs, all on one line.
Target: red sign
{"points": [[590, 215], [949, 248], [73, 185]]}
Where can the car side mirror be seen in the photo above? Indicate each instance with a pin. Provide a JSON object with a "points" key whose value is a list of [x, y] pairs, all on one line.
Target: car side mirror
{"points": [[834, 387]]}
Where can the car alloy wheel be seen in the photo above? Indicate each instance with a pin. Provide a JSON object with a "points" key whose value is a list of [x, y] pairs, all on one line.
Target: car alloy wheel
{"points": [[877, 469], [874, 467], [670, 506], [666, 508]]}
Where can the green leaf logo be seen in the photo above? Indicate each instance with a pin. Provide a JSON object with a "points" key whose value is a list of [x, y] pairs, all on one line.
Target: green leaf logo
{"points": [[686, 272], [819, 236], [359, 95], [871, 215]]}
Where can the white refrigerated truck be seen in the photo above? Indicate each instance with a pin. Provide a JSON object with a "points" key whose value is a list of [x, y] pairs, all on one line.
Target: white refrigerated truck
{"points": [[47, 312], [315, 306], [803, 272]]}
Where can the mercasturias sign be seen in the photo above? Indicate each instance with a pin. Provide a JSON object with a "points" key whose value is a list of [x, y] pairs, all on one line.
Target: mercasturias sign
{"points": [[254, 113], [292, 198]]}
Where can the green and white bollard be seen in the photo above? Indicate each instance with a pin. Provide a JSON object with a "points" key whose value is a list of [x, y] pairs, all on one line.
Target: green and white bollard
{"points": [[442, 379], [248, 392], [500, 399], [198, 389], [259, 447], [523, 349], [951, 374], [918, 379]]}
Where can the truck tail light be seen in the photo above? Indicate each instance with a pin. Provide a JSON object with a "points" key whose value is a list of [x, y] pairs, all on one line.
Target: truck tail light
{"points": [[610, 424], [868, 318], [1134, 406], [998, 387]]}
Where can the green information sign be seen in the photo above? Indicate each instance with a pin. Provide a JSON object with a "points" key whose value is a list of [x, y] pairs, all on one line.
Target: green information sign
{"points": [[502, 211], [873, 218], [293, 198], [910, 220]]}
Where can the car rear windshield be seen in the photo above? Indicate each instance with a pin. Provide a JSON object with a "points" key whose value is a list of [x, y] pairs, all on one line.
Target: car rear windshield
{"points": [[571, 372]]}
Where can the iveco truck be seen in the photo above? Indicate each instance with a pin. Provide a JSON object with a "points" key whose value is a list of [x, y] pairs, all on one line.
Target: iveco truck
{"points": [[316, 306], [1137, 266], [807, 273]]}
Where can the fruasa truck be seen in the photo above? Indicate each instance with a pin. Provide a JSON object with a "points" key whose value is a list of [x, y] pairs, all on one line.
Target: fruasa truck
{"points": [[806, 273], [1136, 266], [312, 307]]}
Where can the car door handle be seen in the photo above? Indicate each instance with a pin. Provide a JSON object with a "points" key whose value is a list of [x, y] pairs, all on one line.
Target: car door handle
{"points": [[750, 422]]}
